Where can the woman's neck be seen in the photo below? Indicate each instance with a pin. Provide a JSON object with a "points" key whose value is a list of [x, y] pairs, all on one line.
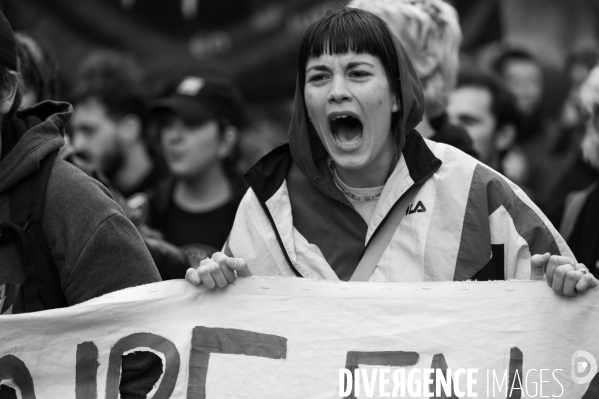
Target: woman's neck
{"points": [[373, 175], [203, 192]]}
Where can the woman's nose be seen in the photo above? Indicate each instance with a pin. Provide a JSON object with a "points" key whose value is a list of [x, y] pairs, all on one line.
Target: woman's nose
{"points": [[339, 91], [172, 134]]}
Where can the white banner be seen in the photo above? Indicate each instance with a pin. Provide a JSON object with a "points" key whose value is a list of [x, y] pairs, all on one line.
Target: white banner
{"points": [[295, 338]]}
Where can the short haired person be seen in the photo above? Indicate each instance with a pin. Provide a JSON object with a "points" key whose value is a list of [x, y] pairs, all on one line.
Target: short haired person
{"points": [[198, 121], [430, 32], [91, 246], [107, 127], [481, 105], [354, 155]]}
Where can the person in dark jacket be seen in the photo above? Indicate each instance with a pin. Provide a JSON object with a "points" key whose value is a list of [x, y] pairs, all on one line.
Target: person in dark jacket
{"points": [[430, 32], [198, 122], [92, 246]]}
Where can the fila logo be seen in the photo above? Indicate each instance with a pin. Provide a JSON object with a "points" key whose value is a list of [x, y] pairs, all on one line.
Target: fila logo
{"points": [[418, 208]]}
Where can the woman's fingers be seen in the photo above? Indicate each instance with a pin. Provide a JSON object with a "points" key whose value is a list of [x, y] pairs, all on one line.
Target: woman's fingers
{"points": [[572, 278], [539, 264], [240, 266], [559, 277], [216, 273], [219, 271], [206, 276], [564, 264], [192, 276], [587, 281]]}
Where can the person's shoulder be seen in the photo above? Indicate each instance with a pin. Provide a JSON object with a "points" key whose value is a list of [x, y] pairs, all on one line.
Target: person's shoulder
{"points": [[71, 195]]}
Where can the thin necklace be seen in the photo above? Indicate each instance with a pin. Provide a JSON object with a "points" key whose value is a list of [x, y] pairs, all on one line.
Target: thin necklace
{"points": [[351, 195]]}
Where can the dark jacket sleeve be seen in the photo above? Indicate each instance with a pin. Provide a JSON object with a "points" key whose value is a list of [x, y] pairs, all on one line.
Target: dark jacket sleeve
{"points": [[97, 250]]}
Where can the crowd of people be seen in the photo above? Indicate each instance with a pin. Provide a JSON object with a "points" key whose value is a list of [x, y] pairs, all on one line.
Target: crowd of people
{"points": [[107, 186]]}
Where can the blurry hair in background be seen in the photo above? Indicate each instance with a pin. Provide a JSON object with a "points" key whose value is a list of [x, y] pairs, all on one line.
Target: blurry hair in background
{"points": [[39, 69], [580, 216], [430, 32], [589, 96], [115, 80]]}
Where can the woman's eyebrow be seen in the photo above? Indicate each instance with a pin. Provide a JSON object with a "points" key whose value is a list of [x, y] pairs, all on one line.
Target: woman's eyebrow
{"points": [[355, 64], [319, 67]]}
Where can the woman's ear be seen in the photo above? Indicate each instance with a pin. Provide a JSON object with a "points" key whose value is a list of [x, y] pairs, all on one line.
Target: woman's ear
{"points": [[426, 64], [229, 139], [7, 98]]}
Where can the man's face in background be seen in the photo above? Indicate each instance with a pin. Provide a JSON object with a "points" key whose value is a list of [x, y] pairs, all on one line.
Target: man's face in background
{"points": [[524, 79], [96, 136], [470, 108]]}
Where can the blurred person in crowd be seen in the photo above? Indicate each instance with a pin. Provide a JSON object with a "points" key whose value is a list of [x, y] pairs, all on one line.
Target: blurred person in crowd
{"points": [[577, 69], [107, 127], [522, 75], [74, 235], [356, 177], [39, 72], [198, 122], [431, 34], [482, 106], [580, 222], [266, 130], [40, 75]]}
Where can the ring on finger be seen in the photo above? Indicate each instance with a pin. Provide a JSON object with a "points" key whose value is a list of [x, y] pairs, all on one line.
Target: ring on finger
{"points": [[582, 269]]}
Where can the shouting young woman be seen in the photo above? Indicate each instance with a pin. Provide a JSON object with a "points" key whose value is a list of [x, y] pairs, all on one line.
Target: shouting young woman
{"points": [[359, 195]]}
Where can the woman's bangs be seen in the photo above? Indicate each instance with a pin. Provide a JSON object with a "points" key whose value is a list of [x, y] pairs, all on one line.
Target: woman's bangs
{"points": [[340, 37]]}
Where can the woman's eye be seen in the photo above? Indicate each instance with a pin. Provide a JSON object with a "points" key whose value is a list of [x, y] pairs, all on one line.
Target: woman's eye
{"points": [[358, 74], [317, 78]]}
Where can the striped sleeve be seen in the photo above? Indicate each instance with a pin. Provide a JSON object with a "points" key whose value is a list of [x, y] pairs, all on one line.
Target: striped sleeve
{"points": [[502, 228]]}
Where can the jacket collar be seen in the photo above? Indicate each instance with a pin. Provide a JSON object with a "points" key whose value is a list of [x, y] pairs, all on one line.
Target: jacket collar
{"points": [[268, 174]]}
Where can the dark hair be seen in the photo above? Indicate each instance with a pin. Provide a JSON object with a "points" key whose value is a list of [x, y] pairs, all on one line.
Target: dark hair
{"points": [[39, 66], [503, 105], [350, 29], [8, 77], [514, 54], [114, 80]]}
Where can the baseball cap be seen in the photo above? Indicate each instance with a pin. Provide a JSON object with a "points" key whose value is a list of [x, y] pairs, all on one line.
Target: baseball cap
{"points": [[8, 45], [198, 99]]}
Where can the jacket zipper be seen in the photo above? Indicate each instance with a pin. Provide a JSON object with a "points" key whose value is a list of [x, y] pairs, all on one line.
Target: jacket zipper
{"points": [[413, 187], [279, 240]]}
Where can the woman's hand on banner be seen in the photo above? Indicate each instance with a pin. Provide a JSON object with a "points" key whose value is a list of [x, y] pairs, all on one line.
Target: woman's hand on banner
{"points": [[563, 275], [219, 271]]}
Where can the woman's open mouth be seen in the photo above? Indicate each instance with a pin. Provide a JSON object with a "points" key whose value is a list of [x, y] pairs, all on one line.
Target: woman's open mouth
{"points": [[346, 130]]}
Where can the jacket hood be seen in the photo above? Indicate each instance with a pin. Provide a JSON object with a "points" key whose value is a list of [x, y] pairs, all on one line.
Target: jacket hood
{"points": [[27, 139], [307, 150]]}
